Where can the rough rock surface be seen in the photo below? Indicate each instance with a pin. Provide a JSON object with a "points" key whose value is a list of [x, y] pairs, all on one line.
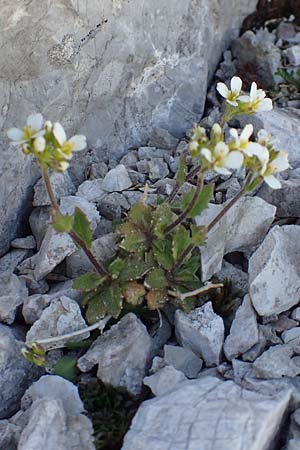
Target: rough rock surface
{"points": [[16, 373], [208, 413], [121, 354], [274, 271], [165, 380], [62, 186], [243, 332], [202, 331], [113, 82], [60, 317], [242, 228], [13, 292], [183, 359]]}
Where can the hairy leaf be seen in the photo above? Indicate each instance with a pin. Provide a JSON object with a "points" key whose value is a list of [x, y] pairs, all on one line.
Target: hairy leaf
{"points": [[156, 298], [116, 267], [133, 240], [63, 224], [181, 240], [198, 234], [162, 251], [81, 226], [96, 309], [201, 203], [133, 269], [66, 367], [88, 281], [141, 215], [156, 279], [108, 301], [162, 217], [134, 292]]}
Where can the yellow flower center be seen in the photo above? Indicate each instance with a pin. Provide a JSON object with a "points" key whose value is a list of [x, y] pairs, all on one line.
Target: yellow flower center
{"points": [[28, 132], [67, 148]]}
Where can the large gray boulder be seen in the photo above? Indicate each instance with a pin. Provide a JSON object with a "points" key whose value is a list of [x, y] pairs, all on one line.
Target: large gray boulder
{"points": [[208, 414], [148, 66]]}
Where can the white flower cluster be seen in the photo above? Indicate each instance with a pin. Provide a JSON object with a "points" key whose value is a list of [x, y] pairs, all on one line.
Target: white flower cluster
{"points": [[260, 157], [47, 142], [256, 101]]}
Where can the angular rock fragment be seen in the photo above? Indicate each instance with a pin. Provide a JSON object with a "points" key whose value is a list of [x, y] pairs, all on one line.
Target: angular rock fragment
{"points": [[62, 185], [165, 380], [274, 271], [183, 359], [208, 414], [277, 362], [117, 180], [202, 331], [121, 354], [13, 293]]}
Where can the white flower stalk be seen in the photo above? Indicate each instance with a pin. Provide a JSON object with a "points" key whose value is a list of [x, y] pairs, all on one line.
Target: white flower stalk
{"points": [[67, 147], [279, 164], [233, 93], [241, 142], [256, 101], [222, 159], [33, 129]]}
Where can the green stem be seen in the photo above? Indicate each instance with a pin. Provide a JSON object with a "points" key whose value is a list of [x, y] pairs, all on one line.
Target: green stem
{"points": [[189, 208], [56, 212]]}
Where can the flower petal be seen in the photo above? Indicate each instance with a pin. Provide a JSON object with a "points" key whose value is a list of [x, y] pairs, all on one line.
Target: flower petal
{"points": [[272, 181], [280, 163], [265, 105], [35, 121], [247, 132], [233, 132], [59, 133], [221, 148], [232, 102], [222, 170], [222, 89], [236, 84], [207, 154], [79, 142], [244, 98], [15, 134], [255, 149], [234, 160], [253, 90]]}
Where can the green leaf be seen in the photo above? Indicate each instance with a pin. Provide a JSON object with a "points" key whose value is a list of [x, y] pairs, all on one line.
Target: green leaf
{"points": [[181, 173], [198, 234], [113, 299], [134, 292], [66, 367], [162, 217], [181, 240], [63, 224], [156, 298], [96, 309], [133, 269], [134, 240], [82, 227], [156, 279], [88, 281], [141, 215], [201, 203], [192, 264], [116, 267], [162, 251]]}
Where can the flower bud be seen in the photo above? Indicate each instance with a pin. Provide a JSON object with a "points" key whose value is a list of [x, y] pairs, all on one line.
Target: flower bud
{"points": [[39, 144], [26, 149], [48, 125], [38, 349]]}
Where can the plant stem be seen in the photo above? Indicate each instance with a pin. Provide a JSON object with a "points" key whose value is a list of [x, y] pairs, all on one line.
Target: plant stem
{"points": [[189, 208], [56, 212], [201, 291], [189, 177], [182, 258], [100, 324], [229, 205]]}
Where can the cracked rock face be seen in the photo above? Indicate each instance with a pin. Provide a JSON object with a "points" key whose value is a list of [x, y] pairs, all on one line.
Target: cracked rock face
{"points": [[274, 271], [113, 82], [208, 413]]}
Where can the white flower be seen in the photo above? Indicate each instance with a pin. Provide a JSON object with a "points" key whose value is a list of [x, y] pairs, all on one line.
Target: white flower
{"points": [[39, 144], [75, 144], [241, 142], [257, 100], [233, 94], [279, 164], [266, 139], [221, 159], [261, 153], [32, 130]]}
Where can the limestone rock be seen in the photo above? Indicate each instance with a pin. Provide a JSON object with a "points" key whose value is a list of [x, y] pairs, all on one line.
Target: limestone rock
{"points": [[243, 332], [62, 316], [117, 180], [277, 362], [242, 228], [16, 373], [293, 54], [183, 359], [165, 380], [13, 292], [62, 186], [202, 331], [197, 416], [274, 271], [10, 261], [158, 79], [34, 306], [239, 280], [68, 205], [91, 190], [121, 354], [26, 243]]}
